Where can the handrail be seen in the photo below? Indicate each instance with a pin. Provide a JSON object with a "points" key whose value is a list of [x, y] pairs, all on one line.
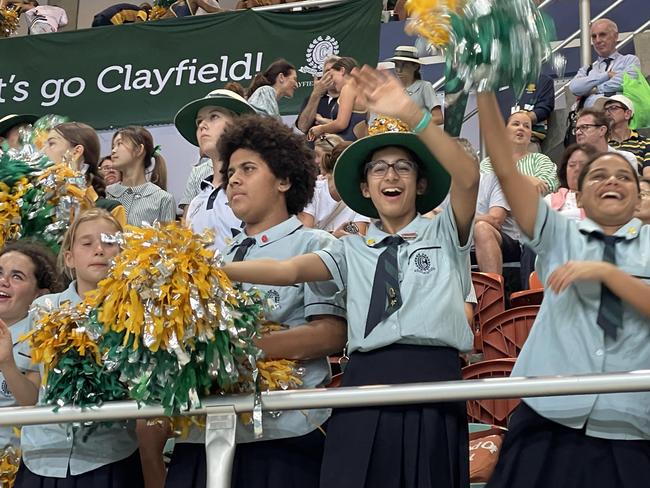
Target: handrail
{"points": [[560, 46], [514, 387], [295, 5], [441, 81], [621, 44]]}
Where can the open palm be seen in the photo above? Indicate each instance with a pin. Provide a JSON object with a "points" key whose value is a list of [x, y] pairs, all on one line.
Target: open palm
{"points": [[384, 94]]}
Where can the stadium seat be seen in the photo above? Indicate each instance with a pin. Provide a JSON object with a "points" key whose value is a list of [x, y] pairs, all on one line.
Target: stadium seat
{"points": [[490, 300], [490, 411], [534, 283], [504, 335]]}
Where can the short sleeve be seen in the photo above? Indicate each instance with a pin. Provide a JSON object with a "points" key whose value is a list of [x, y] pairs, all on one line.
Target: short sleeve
{"points": [[552, 231], [429, 96], [333, 256], [168, 208], [324, 297]]}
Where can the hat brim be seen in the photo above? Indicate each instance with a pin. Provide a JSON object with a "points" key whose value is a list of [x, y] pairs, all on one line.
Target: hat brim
{"points": [[10, 121], [348, 172], [408, 60], [600, 103], [185, 119]]}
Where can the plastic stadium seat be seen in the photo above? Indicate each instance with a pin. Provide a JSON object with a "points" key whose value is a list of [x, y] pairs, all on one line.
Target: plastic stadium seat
{"points": [[504, 335], [534, 283], [490, 298], [526, 297], [335, 381], [490, 411]]}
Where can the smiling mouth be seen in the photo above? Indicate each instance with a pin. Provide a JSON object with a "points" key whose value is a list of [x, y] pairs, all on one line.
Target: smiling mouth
{"points": [[4, 295], [611, 195], [391, 192]]}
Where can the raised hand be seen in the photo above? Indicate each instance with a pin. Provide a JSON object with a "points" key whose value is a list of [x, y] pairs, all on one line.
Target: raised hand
{"points": [[6, 345], [384, 94], [574, 271]]}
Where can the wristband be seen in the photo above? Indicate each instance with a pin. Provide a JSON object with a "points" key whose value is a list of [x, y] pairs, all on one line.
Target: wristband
{"points": [[424, 121]]}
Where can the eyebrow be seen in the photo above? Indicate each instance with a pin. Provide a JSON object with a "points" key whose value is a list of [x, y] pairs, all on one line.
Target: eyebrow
{"points": [[22, 273]]}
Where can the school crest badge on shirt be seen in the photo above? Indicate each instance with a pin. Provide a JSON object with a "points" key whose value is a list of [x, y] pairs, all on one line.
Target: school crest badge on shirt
{"points": [[422, 263], [4, 389]]}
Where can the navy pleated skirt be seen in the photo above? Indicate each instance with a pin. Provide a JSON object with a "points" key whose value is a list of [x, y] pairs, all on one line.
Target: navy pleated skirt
{"points": [[403, 446], [540, 453], [283, 463], [120, 474]]}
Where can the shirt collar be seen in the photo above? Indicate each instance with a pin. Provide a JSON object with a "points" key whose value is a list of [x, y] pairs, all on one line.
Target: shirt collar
{"points": [[207, 183], [144, 190], [269, 236], [409, 233], [612, 56], [628, 231], [19, 328]]}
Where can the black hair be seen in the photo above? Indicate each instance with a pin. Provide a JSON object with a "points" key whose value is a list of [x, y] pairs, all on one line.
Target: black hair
{"points": [[44, 260], [564, 162], [285, 152], [587, 166]]}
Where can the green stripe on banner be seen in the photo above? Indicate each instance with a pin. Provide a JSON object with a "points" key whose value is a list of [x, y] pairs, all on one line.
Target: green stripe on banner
{"points": [[143, 73]]}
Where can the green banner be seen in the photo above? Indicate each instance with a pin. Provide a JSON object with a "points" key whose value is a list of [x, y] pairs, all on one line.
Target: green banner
{"points": [[143, 73]]}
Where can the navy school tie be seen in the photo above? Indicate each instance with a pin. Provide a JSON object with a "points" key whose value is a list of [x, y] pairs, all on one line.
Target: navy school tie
{"points": [[242, 249], [385, 298]]}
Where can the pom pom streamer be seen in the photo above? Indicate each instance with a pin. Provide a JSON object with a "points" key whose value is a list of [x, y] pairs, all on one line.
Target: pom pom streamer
{"points": [[9, 18], [9, 464], [165, 327]]}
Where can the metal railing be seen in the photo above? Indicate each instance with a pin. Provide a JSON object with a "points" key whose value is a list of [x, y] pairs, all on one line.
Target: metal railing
{"points": [[221, 411]]}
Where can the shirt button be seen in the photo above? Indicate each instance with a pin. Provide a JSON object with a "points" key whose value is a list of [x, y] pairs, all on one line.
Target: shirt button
{"points": [[599, 352]]}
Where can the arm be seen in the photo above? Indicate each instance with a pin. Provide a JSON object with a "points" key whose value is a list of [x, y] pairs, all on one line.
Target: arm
{"points": [[386, 95], [433, 104], [614, 82], [495, 217], [346, 104], [307, 219], [438, 118], [546, 171], [308, 113], [207, 7], [626, 287], [520, 192], [299, 269], [582, 84], [168, 209], [24, 387], [322, 336]]}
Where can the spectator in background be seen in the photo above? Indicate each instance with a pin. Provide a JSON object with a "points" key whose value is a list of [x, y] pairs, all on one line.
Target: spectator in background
{"points": [[202, 7], [349, 113], [643, 212], [233, 86], [10, 126], [321, 101], [278, 81], [407, 68], [564, 200], [42, 19], [110, 174], [619, 110], [323, 146], [539, 169], [537, 100], [592, 128], [122, 13], [604, 77]]}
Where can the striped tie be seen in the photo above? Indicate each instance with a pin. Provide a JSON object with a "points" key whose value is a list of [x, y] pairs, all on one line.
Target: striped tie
{"points": [[242, 249], [385, 297], [610, 311]]}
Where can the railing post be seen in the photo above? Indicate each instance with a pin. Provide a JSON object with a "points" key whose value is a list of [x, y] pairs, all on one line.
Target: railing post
{"points": [[585, 32], [220, 428]]}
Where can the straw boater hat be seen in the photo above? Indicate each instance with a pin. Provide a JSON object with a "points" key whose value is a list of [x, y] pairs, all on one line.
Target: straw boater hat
{"points": [[348, 172], [185, 119], [12, 120], [406, 53]]}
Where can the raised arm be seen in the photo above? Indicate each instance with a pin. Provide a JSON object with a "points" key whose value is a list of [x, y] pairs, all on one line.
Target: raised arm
{"points": [[520, 192], [342, 120], [24, 387], [299, 269], [307, 115], [385, 95]]}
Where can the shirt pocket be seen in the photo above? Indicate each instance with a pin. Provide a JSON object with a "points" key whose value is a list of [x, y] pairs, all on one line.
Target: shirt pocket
{"points": [[425, 262]]}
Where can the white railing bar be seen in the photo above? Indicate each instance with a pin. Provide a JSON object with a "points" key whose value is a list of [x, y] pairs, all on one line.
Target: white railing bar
{"points": [[516, 387], [295, 5]]}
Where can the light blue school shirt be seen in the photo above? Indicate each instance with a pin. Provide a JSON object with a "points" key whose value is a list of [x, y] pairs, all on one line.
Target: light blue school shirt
{"points": [[23, 359], [56, 450], [566, 340], [434, 280], [294, 305]]}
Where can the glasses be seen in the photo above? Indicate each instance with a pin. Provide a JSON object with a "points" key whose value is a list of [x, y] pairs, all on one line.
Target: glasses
{"points": [[379, 169], [584, 128], [614, 108], [324, 138]]}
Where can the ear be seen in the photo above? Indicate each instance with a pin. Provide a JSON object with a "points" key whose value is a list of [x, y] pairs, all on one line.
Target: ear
{"points": [[579, 199], [68, 259], [364, 189], [139, 150], [284, 185], [78, 153], [421, 186]]}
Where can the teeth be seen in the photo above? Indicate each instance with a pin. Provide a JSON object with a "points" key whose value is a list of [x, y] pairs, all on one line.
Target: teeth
{"points": [[612, 194], [3, 295]]}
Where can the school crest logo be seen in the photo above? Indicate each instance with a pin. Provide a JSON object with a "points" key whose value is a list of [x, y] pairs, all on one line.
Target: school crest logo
{"points": [[273, 298], [318, 51], [4, 388], [422, 263]]}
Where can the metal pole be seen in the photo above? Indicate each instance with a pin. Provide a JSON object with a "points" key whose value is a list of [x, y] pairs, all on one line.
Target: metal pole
{"points": [[297, 5], [585, 37], [353, 397]]}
